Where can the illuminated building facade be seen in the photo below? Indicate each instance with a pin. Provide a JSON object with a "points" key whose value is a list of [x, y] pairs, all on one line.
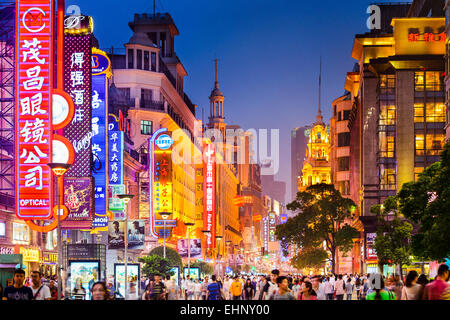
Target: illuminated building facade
{"points": [[398, 111]]}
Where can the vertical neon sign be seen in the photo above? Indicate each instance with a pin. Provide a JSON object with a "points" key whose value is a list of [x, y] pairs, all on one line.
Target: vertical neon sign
{"points": [[33, 135], [209, 193]]}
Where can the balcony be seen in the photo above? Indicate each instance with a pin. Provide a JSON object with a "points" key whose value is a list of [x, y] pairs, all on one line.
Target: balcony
{"points": [[152, 105]]}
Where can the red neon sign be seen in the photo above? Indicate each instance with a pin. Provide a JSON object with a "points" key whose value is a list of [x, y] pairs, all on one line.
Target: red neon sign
{"points": [[209, 193], [33, 135]]}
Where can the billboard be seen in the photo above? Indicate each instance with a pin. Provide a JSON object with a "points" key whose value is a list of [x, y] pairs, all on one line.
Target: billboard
{"points": [[133, 277], [370, 243], [116, 235], [176, 275], [115, 148], [78, 198], [209, 193], [160, 182], [136, 234], [33, 132], [194, 273], [196, 248], [83, 275], [100, 70]]}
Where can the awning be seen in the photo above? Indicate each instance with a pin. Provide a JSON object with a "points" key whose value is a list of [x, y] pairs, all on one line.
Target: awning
{"points": [[8, 265]]}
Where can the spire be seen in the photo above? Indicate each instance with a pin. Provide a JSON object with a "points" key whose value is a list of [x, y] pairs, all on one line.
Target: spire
{"points": [[319, 118], [216, 91], [216, 84]]}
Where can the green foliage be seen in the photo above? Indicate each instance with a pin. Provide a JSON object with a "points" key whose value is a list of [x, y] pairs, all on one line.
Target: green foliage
{"points": [[314, 257], [320, 210], [393, 236], [171, 254], [427, 203], [204, 267], [155, 265]]}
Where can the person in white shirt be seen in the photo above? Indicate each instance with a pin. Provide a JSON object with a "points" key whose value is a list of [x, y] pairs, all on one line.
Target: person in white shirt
{"points": [[349, 289], [319, 288], [40, 291], [339, 287], [411, 290], [329, 289], [197, 289]]}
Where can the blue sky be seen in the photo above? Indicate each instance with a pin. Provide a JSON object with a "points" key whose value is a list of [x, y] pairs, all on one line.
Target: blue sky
{"points": [[269, 54]]}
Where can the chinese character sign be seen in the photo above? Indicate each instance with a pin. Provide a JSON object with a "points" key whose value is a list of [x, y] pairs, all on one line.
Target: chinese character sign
{"points": [[116, 145], [209, 193], [99, 148], [33, 136], [160, 184], [77, 83], [78, 198]]}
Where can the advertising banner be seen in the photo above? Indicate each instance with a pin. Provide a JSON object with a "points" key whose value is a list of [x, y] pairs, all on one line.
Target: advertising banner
{"points": [[78, 198], [196, 248], [209, 193], [116, 235], [83, 275], [160, 182], [33, 132], [136, 234], [133, 277], [176, 275], [116, 146], [194, 273], [370, 243]]}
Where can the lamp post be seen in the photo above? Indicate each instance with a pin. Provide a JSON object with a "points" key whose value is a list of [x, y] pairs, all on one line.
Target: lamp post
{"points": [[126, 198], [206, 232], [165, 215], [59, 169], [189, 225], [218, 238]]}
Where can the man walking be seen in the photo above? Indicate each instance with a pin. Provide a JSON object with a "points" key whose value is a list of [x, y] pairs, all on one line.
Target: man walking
{"points": [[435, 289], [18, 291], [214, 291], [236, 289], [40, 291], [283, 292]]}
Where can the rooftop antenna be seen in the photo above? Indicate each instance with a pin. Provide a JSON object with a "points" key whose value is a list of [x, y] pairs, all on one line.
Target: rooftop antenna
{"points": [[319, 118], [217, 82]]}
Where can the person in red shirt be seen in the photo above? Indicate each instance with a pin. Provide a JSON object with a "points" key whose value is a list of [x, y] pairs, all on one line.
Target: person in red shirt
{"points": [[434, 290]]}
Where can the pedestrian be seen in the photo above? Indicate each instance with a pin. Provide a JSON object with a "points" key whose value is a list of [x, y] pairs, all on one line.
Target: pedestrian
{"points": [[423, 281], [329, 289], [18, 291], [272, 285], [171, 288], [379, 290], [205, 287], [197, 289], [148, 291], [214, 291], [189, 288], [236, 289], [159, 289], [412, 289], [398, 286], [249, 290], [339, 288], [79, 292], [435, 289], [358, 288], [349, 288], [40, 290], [282, 292], [307, 292], [296, 288], [100, 291]]}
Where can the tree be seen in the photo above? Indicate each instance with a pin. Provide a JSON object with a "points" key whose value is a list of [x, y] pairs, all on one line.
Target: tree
{"points": [[204, 267], [392, 243], [155, 265], [171, 254], [427, 203], [320, 212], [314, 257]]}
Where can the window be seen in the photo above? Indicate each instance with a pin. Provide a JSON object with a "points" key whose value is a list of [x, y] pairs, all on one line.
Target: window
{"points": [[417, 172], [387, 178], [343, 164], [124, 93], [146, 127], [386, 145], [146, 60], [130, 59], [419, 81], [387, 81], [344, 139], [419, 115], [346, 115], [334, 110], [434, 144], [139, 59], [344, 187], [154, 61], [435, 112], [199, 172], [387, 114], [429, 81], [339, 116], [146, 95], [420, 145]]}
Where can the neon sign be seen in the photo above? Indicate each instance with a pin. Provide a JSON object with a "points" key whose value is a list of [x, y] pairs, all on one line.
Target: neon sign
{"points": [[209, 193], [33, 138]]}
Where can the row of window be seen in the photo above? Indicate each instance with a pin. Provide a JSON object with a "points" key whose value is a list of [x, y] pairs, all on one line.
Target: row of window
{"points": [[428, 81], [145, 60], [431, 112], [430, 144]]}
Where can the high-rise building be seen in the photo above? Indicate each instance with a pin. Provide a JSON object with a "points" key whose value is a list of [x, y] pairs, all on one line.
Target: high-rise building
{"points": [[299, 140], [398, 111]]}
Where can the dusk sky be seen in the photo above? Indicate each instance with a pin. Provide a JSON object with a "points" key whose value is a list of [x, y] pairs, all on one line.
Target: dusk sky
{"points": [[269, 54]]}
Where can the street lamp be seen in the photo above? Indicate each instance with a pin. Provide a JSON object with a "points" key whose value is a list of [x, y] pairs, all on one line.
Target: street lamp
{"points": [[218, 238], [126, 198], [165, 215], [59, 169], [189, 225]]}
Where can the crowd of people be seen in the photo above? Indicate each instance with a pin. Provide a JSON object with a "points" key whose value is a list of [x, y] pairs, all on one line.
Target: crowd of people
{"points": [[273, 287]]}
